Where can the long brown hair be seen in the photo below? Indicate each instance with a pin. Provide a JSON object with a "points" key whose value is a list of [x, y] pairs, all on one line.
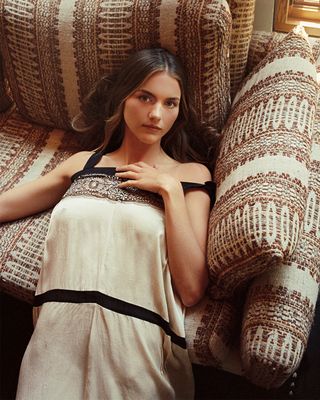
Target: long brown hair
{"points": [[103, 107]]}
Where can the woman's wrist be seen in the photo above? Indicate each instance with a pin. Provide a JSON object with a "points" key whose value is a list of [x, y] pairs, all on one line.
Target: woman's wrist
{"points": [[171, 188]]}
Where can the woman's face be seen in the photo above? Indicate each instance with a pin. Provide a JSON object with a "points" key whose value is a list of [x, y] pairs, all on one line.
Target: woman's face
{"points": [[152, 109]]}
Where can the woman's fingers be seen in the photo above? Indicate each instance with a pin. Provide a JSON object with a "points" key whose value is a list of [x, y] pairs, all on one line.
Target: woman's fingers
{"points": [[127, 175], [133, 171], [139, 175], [128, 183], [129, 167]]}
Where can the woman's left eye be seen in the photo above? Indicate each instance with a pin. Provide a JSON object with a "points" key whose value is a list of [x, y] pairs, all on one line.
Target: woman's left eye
{"points": [[171, 104]]}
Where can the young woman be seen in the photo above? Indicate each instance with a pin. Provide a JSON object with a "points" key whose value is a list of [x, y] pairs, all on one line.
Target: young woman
{"points": [[126, 247]]}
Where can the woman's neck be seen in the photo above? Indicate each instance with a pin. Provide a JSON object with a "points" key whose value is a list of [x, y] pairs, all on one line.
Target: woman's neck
{"points": [[130, 153]]}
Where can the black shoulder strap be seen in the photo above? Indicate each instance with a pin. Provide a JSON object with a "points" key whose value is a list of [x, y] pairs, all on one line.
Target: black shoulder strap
{"points": [[209, 187], [93, 160]]}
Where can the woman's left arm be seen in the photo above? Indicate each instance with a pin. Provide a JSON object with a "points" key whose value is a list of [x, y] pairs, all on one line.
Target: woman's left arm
{"points": [[186, 233], [186, 219]]}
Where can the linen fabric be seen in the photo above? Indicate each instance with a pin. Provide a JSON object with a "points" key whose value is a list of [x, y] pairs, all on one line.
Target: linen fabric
{"points": [[263, 168], [280, 304], [242, 26], [263, 42], [212, 333], [55, 51], [108, 322]]}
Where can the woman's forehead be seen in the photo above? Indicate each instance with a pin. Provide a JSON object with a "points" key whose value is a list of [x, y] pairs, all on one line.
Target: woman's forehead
{"points": [[162, 83]]}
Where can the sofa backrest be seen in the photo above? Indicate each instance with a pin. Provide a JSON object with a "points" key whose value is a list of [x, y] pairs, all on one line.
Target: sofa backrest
{"points": [[242, 12], [54, 51]]}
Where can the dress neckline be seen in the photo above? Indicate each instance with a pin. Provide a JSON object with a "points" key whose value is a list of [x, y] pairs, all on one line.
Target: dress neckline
{"points": [[112, 170], [91, 168]]}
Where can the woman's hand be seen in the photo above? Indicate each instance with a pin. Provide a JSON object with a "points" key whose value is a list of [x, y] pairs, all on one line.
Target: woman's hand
{"points": [[146, 177]]}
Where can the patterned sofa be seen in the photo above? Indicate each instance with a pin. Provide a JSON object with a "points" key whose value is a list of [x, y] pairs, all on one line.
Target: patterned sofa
{"points": [[264, 234]]}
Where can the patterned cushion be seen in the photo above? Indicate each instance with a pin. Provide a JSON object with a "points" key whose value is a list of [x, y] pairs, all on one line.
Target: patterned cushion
{"points": [[55, 51], [281, 303], [211, 328], [242, 12], [263, 167], [263, 42], [5, 101], [26, 152]]}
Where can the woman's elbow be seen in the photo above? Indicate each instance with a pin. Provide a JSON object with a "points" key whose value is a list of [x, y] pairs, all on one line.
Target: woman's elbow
{"points": [[192, 297], [189, 301]]}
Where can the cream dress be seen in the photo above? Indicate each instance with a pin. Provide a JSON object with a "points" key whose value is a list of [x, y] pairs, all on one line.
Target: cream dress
{"points": [[108, 325]]}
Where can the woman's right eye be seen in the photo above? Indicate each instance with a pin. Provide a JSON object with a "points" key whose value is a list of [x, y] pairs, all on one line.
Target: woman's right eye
{"points": [[144, 98]]}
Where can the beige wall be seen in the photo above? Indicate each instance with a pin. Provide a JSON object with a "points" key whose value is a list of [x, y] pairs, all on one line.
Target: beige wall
{"points": [[263, 20]]}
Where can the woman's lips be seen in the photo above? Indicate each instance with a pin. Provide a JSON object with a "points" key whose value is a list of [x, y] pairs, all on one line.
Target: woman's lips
{"points": [[153, 127]]}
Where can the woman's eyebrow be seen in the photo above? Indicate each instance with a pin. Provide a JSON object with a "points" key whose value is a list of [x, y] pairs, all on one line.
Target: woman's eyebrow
{"points": [[145, 92], [151, 94]]}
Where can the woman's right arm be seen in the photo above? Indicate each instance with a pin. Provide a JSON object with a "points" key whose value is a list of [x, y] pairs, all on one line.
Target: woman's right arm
{"points": [[42, 193]]}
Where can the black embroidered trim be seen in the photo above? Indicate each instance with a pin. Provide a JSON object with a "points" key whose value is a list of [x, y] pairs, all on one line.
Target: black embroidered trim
{"points": [[110, 303], [103, 185], [208, 186], [89, 168]]}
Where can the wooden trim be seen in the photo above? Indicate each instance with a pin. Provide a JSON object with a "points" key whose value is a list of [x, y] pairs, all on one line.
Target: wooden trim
{"points": [[303, 14], [308, 3], [286, 17]]}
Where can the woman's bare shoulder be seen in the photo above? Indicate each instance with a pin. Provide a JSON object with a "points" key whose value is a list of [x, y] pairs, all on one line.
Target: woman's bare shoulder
{"points": [[75, 163], [193, 172], [81, 156]]}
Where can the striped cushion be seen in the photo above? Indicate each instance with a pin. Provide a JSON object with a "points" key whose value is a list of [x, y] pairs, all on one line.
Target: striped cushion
{"points": [[263, 42], [242, 12], [281, 303], [263, 167], [55, 51], [27, 151], [211, 333]]}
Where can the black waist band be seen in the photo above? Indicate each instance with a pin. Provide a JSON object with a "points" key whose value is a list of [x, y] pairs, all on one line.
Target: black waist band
{"points": [[110, 303]]}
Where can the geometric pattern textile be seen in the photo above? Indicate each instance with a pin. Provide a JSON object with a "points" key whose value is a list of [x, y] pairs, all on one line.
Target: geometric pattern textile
{"points": [[263, 168], [263, 42], [242, 25], [281, 303], [28, 151], [211, 329], [55, 50]]}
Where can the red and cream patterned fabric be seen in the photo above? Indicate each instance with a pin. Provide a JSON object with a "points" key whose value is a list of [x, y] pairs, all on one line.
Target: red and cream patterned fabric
{"points": [[263, 42], [211, 333], [54, 51], [281, 303], [263, 168], [26, 152], [242, 12]]}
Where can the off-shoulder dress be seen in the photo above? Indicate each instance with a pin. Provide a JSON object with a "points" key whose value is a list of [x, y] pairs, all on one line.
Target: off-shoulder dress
{"points": [[108, 324]]}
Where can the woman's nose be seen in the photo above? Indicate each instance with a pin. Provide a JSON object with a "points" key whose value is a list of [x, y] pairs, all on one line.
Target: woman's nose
{"points": [[155, 112]]}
